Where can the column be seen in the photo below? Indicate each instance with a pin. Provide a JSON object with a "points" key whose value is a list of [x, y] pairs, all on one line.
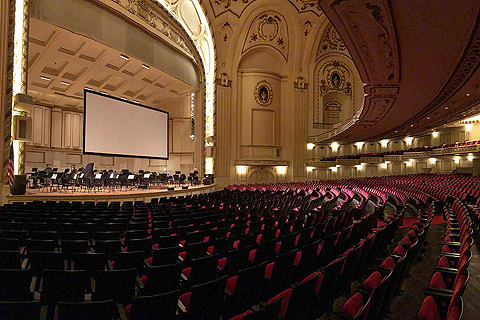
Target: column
{"points": [[300, 129], [224, 126]]}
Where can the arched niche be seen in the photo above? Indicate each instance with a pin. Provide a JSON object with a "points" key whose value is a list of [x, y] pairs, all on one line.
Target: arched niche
{"points": [[263, 58], [260, 86], [334, 91]]}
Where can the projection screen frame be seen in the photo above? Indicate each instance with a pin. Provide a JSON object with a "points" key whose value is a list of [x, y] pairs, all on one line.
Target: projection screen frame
{"points": [[129, 102]]}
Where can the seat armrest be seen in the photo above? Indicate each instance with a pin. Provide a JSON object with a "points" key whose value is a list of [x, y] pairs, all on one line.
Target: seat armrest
{"points": [[450, 255], [452, 243], [445, 293]]}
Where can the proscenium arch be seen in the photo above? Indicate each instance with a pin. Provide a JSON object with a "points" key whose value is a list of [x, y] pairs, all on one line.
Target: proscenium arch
{"points": [[192, 17], [196, 26]]}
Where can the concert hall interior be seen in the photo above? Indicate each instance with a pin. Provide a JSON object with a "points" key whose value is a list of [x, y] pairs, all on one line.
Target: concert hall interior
{"points": [[230, 159]]}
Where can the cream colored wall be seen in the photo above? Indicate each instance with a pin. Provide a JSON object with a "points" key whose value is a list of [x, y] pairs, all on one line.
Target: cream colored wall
{"points": [[57, 141], [263, 137]]}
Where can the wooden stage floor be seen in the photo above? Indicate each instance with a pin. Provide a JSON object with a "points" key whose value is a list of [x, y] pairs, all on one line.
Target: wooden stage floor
{"points": [[108, 195]]}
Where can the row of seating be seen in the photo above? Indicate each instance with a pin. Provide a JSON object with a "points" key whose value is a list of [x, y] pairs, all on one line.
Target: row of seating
{"points": [[373, 297], [445, 289]]}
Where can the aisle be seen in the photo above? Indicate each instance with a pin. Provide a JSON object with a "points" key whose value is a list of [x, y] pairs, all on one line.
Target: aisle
{"points": [[406, 304]]}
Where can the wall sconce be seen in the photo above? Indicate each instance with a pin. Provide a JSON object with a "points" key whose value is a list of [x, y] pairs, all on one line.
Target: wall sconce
{"points": [[468, 127], [456, 160], [384, 165], [435, 134], [359, 167], [409, 140], [242, 169], [335, 146], [409, 163], [281, 170], [470, 158], [432, 160], [310, 169], [359, 145], [384, 143], [334, 169], [310, 146]]}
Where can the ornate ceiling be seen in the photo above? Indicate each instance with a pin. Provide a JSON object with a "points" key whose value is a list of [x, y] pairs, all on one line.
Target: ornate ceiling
{"points": [[419, 64], [237, 7]]}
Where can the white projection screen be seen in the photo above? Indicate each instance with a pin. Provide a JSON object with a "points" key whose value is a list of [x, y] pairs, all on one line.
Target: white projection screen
{"points": [[115, 127]]}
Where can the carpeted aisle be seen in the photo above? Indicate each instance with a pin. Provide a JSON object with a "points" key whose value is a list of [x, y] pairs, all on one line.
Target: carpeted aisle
{"points": [[407, 223]]}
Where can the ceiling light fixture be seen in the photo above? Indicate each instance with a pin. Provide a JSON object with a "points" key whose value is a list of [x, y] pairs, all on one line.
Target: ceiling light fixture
{"points": [[124, 57], [145, 66], [104, 92], [65, 83], [45, 78], [123, 98], [135, 101], [468, 94]]}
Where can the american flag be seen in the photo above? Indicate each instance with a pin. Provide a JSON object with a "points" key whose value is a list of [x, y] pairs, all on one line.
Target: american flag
{"points": [[10, 172]]}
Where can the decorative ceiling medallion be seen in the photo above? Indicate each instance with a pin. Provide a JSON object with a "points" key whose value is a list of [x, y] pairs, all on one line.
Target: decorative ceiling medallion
{"points": [[263, 93], [269, 28], [235, 7]]}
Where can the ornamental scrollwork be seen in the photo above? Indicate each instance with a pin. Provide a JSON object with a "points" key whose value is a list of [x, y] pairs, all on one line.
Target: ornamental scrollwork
{"points": [[335, 76], [263, 93]]}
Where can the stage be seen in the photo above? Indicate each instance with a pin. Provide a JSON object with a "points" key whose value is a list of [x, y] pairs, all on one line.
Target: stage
{"points": [[109, 196]]}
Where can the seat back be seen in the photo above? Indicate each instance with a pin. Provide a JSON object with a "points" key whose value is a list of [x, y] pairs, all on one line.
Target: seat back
{"points": [[207, 298], [237, 260], [99, 310], [41, 260], [160, 306], [90, 262], [10, 259], [161, 279], [248, 281], [118, 285], [167, 255], [15, 285], [302, 298], [128, 260], [203, 269], [60, 285], [13, 310]]}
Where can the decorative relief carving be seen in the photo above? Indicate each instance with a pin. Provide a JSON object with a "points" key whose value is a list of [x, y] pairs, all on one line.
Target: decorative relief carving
{"points": [[224, 81], [332, 76], [335, 76], [141, 9], [373, 32], [263, 93], [331, 41], [300, 84], [269, 28], [235, 7], [307, 6], [307, 28]]}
